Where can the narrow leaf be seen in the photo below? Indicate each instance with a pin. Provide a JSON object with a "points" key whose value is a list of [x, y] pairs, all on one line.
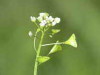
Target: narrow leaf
{"points": [[42, 59], [71, 41], [55, 48]]}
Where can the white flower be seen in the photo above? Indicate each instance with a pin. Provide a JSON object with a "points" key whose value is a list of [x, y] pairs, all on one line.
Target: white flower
{"points": [[40, 18], [44, 14], [33, 19], [57, 20], [43, 23], [44, 19], [50, 18], [30, 33], [54, 23]]}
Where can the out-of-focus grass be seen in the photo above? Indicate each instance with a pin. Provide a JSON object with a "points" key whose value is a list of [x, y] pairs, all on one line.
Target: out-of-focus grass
{"points": [[78, 16]]}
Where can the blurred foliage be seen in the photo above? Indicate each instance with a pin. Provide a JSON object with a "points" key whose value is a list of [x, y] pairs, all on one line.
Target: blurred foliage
{"points": [[81, 17]]}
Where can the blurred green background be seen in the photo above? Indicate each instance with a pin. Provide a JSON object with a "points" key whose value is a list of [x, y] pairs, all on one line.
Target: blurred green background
{"points": [[81, 17]]}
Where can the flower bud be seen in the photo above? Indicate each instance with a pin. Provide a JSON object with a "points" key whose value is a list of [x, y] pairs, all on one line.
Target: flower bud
{"points": [[30, 33], [33, 19], [57, 20]]}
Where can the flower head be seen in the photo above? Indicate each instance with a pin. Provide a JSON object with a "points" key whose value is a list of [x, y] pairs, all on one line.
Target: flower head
{"points": [[45, 19]]}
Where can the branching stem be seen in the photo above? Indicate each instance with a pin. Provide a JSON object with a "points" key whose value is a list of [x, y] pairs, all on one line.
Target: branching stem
{"points": [[38, 53]]}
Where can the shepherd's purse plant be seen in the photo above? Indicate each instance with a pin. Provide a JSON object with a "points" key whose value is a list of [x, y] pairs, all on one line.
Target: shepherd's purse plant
{"points": [[45, 22]]}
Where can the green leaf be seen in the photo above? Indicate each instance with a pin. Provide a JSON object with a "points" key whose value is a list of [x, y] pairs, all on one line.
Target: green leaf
{"points": [[71, 41], [54, 31], [42, 59], [55, 48]]}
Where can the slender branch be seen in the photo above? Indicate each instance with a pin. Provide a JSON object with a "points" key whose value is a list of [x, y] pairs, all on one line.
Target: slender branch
{"points": [[38, 53], [36, 25], [52, 44], [35, 39]]}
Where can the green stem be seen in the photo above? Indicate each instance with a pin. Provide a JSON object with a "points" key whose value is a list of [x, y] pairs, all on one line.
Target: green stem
{"points": [[52, 44], [35, 40], [38, 53], [36, 25]]}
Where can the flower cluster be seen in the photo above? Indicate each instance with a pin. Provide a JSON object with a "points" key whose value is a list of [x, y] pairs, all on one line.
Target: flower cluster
{"points": [[44, 19]]}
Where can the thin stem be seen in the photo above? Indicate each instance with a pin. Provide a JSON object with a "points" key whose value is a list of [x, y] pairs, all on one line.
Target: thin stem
{"points": [[36, 25], [35, 40], [52, 44], [38, 53]]}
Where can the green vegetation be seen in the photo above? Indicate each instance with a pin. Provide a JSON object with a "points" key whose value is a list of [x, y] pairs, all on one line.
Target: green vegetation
{"points": [[81, 17]]}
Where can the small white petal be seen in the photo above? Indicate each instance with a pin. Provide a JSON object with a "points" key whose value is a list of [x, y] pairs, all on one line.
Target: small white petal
{"points": [[33, 19], [30, 33], [50, 18], [54, 23], [47, 17], [43, 23], [57, 20]]}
